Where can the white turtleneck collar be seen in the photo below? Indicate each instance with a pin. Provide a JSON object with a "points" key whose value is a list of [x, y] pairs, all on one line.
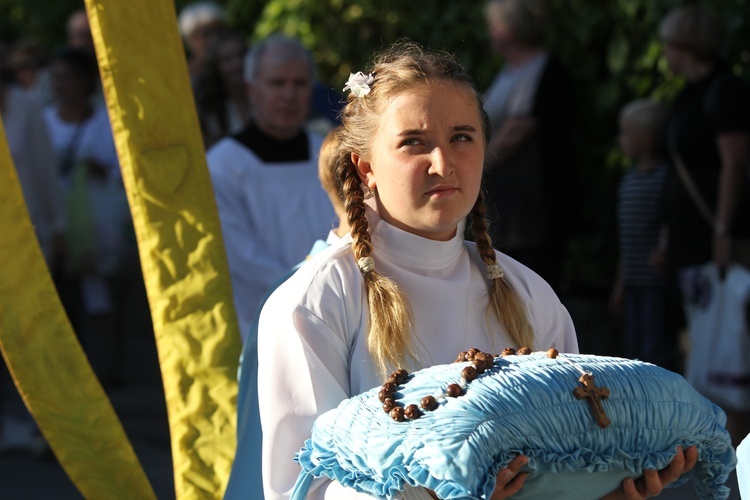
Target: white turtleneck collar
{"points": [[410, 250]]}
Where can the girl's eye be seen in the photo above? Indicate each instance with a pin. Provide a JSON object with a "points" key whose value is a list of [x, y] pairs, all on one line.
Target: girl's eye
{"points": [[462, 138], [413, 141]]}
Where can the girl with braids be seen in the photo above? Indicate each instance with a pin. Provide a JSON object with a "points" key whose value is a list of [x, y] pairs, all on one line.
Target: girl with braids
{"points": [[403, 289]]}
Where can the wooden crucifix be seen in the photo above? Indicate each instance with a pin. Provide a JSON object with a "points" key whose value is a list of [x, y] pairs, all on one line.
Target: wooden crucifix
{"points": [[594, 395]]}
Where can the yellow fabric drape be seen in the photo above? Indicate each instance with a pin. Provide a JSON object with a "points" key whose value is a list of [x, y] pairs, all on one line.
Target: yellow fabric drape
{"points": [[48, 365], [147, 89]]}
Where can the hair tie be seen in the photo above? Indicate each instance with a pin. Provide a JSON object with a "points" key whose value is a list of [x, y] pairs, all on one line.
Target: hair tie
{"points": [[494, 271], [366, 264]]}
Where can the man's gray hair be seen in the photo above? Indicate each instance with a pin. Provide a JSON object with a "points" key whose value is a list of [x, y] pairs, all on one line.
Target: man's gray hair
{"points": [[290, 48]]}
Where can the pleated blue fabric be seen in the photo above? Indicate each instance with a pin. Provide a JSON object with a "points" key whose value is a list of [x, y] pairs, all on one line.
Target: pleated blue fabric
{"points": [[523, 405]]}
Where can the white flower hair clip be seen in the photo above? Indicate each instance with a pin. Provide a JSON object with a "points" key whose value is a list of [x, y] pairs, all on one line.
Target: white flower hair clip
{"points": [[359, 83]]}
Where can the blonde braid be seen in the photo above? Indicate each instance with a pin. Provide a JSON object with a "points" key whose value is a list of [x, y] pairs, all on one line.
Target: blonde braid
{"points": [[388, 337], [504, 301]]}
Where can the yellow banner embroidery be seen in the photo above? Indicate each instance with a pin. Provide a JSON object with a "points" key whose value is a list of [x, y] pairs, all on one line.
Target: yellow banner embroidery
{"points": [[150, 103]]}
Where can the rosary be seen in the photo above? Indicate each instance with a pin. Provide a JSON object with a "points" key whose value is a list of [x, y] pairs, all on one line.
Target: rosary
{"points": [[480, 363]]}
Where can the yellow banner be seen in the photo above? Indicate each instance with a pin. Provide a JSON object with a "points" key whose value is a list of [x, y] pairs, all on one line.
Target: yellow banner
{"points": [[49, 368], [147, 89]]}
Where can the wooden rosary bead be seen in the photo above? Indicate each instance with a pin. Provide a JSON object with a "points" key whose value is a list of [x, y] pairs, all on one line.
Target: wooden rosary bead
{"points": [[384, 394], [399, 376], [428, 403], [461, 357], [478, 366], [485, 360], [390, 387], [469, 373], [397, 414], [524, 351], [389, 404], [509, 351], [454, 391], [412, 412], [552, 353]]}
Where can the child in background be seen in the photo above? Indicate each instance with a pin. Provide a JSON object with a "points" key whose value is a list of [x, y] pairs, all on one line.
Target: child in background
{"points": [[640, 285]]}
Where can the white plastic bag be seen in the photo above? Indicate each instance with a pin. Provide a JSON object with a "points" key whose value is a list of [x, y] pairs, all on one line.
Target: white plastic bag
{"points": [[718, 365]]}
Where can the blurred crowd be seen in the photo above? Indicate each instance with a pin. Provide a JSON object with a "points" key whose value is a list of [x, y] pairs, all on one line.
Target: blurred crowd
{"points": [[61, 143], [55, 117]]}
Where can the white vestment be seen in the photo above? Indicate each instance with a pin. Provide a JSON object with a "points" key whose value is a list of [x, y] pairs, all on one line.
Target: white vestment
{"points": [[271, 214]]}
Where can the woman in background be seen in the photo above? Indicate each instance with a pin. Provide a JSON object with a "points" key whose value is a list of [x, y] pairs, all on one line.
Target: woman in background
{"points": [[98, 216], [708, 133]]}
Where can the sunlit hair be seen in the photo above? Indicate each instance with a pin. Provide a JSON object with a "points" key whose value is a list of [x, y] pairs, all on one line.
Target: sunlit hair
{"points": [[645, 114], [327, 158], [694, 28], [524, 18], [196, 14], [406, 66]]}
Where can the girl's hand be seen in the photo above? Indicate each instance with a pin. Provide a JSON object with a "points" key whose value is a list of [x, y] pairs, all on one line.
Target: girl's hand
{"points": [[653, 482], [510, 479]]}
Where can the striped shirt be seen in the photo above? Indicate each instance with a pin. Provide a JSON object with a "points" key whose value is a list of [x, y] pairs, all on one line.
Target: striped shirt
{"points": [[639, 217]]}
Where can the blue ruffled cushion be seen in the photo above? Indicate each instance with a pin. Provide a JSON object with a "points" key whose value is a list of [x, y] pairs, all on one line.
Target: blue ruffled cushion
{"points": [[523, 405]]}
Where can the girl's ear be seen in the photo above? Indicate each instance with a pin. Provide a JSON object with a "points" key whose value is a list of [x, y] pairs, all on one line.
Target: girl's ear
{"points": [[364, 169]]}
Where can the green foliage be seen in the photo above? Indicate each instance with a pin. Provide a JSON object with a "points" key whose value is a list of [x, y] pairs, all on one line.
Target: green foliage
{"points": [[343, 34], [41, 19]]}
